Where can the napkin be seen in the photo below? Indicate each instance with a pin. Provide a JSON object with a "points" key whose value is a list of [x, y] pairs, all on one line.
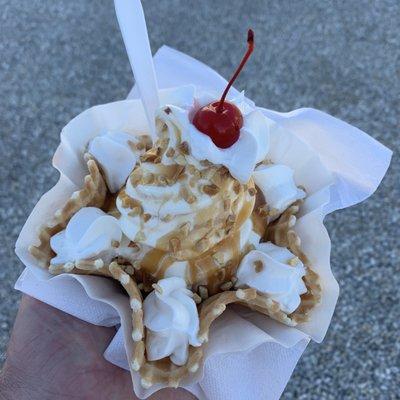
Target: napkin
{"points": [[238, 366]]}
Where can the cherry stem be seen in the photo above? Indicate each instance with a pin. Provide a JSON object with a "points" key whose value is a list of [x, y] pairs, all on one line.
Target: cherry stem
{"points": [[250, 44]]}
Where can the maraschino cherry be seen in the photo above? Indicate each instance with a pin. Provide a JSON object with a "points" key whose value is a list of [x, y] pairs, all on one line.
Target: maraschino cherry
{"points": [[222, 120]]}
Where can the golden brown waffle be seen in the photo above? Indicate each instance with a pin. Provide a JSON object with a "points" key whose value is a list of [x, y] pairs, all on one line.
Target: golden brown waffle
{"points": [[136, 303], [164, 371], [93, 194], [281, 233]]}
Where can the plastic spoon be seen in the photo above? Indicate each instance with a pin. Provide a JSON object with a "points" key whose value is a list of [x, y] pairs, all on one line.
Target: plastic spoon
{"points": [[134, 32]]}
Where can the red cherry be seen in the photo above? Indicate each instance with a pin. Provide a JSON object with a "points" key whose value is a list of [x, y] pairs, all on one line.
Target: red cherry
{"points": [[222, 127], [222, 120]]}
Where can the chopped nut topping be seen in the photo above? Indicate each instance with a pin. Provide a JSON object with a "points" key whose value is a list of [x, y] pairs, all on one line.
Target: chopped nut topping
{"points": [[211, 190], [145, 141], [184, 148], [179, 171], [114, 243], [136, 177], [258, 266], [167, 110], [187, 195], [223, 171], [128, 202], [234, 279], [151, 155]]}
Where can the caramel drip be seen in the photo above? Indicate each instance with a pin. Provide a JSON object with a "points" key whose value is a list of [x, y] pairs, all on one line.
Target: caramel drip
{"points": [[202, 270], [244, 213], [204, 267], [110, 206], [205, 270], [259, 224], [154, 261]]}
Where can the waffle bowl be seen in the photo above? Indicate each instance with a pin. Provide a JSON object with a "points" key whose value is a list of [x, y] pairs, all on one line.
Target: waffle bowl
{"points": [[93, 193], [281, 232], [164, 371]]}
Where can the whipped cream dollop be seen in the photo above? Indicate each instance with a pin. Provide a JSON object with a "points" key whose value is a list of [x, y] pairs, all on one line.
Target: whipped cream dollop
{"points": [[275, 272], [117, 154], [241, 158], [278, 187], [172, 321], [90, 233]]}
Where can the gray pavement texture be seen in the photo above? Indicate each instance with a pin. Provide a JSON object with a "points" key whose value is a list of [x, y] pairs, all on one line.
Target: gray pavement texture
{"points": [[59, 57]]}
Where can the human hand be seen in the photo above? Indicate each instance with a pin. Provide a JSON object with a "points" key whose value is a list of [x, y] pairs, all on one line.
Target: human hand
{"points": [[52, 356]]}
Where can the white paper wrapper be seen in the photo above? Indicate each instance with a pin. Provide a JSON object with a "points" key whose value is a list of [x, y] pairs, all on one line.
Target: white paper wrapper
{"points": [[336, 163]]}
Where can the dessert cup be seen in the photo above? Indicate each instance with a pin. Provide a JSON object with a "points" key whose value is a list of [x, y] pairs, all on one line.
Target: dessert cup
{"points": [[213, 284]]}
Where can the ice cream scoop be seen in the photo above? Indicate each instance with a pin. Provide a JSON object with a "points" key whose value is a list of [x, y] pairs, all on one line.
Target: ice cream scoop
{"points": [[172, 197]]}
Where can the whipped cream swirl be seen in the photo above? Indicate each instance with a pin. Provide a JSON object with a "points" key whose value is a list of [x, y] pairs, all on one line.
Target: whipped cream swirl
{"points": [[172, 321], [275, 272], [117, 154], [241, 158], [171, 195], [90, 233], [278, 187]]}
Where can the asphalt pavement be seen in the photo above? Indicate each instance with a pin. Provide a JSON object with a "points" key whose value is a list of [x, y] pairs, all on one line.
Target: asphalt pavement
{"points": [[57, 58]]}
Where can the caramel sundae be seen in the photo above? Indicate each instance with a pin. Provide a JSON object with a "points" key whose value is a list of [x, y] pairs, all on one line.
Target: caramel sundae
{"points": [[188, 221]]}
